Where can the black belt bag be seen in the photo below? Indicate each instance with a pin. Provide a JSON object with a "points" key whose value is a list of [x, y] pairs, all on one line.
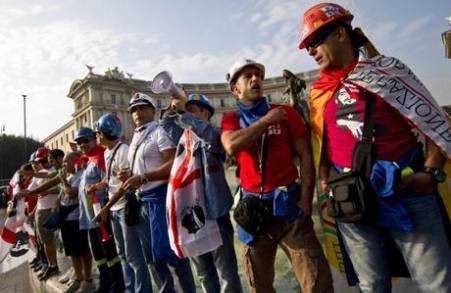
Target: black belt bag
{"points": [[351, 196], [347, 196], [254, 214]]}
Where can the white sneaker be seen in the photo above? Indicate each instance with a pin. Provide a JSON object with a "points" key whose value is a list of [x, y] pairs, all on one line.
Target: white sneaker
{"points": [[73, 286], [86, 287], [67, 276]]}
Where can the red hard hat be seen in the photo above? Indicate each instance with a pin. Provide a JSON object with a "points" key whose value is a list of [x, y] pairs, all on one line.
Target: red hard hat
{"points": [[320, 15], [41, 153]]}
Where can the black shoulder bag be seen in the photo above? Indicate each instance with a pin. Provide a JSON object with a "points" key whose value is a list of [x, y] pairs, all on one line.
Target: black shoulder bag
{"points": [[251, 213], [132, 205], [351, 195]]}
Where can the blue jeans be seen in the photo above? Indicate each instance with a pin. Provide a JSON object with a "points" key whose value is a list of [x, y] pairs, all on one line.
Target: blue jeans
{"points": [[221, 261], [425, 249], [159, 267], [136, 274]]}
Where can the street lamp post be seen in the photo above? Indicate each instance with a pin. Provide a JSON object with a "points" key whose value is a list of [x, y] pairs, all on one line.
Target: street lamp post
{"points": [[25, 122]]}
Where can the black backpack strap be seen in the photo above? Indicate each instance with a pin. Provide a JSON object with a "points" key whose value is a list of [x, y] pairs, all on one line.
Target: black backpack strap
{"points": [[363, 153], [110, 162], [262, 160]]}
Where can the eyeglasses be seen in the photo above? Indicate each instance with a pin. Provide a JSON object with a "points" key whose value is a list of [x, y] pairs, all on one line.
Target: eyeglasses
{"points": [[319, 37], [81, 141]]}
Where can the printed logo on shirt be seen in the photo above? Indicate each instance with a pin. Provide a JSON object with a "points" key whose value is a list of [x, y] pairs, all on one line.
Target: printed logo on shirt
{"points": [[275, 129], [347, 116]]}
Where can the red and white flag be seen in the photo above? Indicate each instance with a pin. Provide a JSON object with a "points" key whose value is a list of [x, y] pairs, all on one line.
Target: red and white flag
{"points": [[190, 232]]}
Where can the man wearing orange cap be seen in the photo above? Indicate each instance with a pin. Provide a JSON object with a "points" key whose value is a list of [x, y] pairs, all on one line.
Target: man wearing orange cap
{"points": [[374, 102]]}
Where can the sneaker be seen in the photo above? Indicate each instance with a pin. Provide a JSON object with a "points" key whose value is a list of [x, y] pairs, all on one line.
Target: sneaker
{"points": [[39, 266], [41, 270], [67, 276], [34, 262], [73, 286], [33, 265], [50, 272], [86, 287]]}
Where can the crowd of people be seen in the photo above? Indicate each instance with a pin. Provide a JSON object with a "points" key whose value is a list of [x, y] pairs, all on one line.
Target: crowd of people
{"points": [[125, 205]]}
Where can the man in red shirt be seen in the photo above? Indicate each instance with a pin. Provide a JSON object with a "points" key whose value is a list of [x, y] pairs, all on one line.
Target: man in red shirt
{"points": [[404, 180], [286, 137]]}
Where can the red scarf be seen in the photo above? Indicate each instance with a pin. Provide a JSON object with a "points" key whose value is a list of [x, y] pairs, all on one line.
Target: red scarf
{"points": [[96, 157]]}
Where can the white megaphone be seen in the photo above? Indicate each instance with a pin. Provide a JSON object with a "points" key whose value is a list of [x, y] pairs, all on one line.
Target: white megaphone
{"points": [[163, 84]]}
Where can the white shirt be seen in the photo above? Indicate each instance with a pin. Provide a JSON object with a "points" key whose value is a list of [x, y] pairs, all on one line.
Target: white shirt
{"points": [[48, 200], [74, 181], [151, 141], [120, 161]]}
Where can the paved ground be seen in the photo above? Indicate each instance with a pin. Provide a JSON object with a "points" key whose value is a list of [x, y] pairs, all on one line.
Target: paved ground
{"points": [[18, 280], [15, 281]]}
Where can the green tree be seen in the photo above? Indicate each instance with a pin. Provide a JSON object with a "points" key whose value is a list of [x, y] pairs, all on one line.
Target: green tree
{"points": [[14, 151]]}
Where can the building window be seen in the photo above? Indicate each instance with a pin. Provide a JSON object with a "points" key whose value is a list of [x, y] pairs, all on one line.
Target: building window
{"points": [[73, 135], [56, 144], [67, 137], [51, 145], [222, 103], [113, 99], [62, 141], [269, 98]]}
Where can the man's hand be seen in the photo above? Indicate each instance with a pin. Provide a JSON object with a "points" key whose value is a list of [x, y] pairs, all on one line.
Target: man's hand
{"points": [[133, 182], [56, 208], [323, 185], [21, 194], [124, 174], [419, 182], [274, 116], [178, 104], [90, 188], [306, 206], [102, 217]]}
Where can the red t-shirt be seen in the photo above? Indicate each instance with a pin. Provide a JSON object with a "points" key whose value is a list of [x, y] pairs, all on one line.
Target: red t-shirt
{"points": [[280, 168], [343, 122]]}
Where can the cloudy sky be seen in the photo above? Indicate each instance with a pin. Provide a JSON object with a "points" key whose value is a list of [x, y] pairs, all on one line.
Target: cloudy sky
{"points": [[44, 45]]}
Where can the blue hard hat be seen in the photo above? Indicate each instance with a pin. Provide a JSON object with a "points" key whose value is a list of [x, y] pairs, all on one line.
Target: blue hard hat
{"points": [[200, 100], [84, 132], [109, 124]]}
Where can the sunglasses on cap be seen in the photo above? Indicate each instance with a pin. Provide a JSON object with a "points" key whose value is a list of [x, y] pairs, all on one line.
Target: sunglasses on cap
{"points": [[81, 141], [320, 37]]}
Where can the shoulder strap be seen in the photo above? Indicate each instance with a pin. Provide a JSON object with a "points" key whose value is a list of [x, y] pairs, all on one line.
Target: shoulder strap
{"points": [[262, 160], [110, 162], [362, 160], [136, 150]]}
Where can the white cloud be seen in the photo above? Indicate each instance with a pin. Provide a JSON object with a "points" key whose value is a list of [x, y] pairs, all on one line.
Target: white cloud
{"points": [[42, 61]]}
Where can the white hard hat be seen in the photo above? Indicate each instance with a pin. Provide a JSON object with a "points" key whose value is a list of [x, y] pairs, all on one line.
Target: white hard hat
{"points": [[140, 99], [239, 65]]}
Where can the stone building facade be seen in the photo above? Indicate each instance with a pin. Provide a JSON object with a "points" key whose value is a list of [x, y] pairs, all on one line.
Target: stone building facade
{"points": [[95, 95]]}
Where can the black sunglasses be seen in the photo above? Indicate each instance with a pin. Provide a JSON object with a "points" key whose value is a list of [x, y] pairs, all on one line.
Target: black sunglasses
{"points": [[81, 141], [320, 37]]}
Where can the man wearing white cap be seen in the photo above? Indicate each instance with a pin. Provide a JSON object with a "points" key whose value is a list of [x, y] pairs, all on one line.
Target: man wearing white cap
{"points": [[275, 208], [151, 154]]}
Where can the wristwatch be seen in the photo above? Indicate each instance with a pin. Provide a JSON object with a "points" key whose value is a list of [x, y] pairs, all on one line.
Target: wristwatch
{"points": [[436, 173], [144, 179]]}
